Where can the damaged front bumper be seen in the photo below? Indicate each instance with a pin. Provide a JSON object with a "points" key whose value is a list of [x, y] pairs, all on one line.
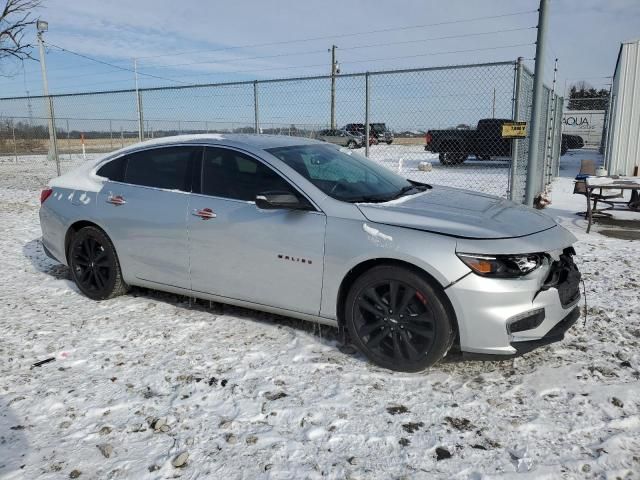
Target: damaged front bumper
{"points": [[513, 316]]}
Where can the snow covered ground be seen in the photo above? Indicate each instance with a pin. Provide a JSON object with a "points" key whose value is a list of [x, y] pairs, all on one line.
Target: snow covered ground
{"points": [[141, 379]]}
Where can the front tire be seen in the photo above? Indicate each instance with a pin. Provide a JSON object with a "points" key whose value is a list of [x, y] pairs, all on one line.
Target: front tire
{"points": [[352, 144], [398, 320], [94, 264]]}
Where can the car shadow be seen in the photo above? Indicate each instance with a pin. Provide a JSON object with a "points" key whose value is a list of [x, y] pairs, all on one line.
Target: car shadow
{"points": [[325, 334], [34, 251], [13, 442]]}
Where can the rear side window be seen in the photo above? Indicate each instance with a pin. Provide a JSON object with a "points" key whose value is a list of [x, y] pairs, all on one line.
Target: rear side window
{"points": [[113, 170], [168, 168]]}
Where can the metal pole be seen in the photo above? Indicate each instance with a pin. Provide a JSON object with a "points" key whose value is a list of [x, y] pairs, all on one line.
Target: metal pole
{"points": [[493, 107], [69, 139], [607, 126], [366, 114], [538, 83], [333, 86], [121, 137], [138, 103], [53, 145], [110, 135], [15, 145], [256, 123], [545, 139], [552, 126], [515, 141]]}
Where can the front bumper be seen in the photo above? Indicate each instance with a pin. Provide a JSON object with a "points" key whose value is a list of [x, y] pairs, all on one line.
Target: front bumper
{"points": [[487, 310]]}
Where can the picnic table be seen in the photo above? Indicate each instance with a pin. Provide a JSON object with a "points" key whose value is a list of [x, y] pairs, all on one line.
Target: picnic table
{"points": [[611, 183]]}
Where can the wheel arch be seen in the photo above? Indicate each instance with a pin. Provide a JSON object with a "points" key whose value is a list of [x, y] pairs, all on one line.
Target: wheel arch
{"points": [[356, 271], [76, 227]]}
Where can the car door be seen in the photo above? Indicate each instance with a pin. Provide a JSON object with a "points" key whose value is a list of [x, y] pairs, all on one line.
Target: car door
{"points": [[143, 207], [238, 251]]}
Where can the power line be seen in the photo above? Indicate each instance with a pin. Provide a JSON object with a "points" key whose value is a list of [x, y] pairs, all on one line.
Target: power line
{"points": [[323, 65], [307, 52], [110, 64], [344, 35], [369, 60]]}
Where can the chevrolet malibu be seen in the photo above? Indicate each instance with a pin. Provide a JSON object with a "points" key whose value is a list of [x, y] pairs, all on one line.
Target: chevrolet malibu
{"points": [[309, 230]]}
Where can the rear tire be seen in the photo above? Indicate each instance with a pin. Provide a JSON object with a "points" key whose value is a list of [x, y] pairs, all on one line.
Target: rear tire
{"points": [[452, 158], [94, 264], [352, 144], [389, 142], [398, 320]]}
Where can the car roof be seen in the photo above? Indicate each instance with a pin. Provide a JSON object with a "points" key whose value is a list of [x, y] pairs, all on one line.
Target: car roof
{"points": [[232, 139]]}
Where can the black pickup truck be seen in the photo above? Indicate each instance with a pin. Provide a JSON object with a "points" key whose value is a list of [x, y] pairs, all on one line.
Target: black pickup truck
{"points": [[485, 141]]}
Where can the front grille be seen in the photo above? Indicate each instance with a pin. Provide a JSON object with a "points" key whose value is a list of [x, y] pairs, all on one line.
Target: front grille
{"points": [[565, 277]]}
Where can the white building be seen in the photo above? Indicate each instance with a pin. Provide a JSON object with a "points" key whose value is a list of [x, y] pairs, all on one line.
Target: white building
{"points": [[622, 152]]}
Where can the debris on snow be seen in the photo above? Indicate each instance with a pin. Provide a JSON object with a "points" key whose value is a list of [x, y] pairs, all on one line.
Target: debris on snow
{"points": [[442, 453], [181, 460], [106, 449]]}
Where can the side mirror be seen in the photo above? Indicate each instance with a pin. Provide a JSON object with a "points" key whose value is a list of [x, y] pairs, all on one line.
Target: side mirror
{"points": [[279, 200]]}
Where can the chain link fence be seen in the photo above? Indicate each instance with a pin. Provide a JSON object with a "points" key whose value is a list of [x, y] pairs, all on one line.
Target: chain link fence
{"points": [[439, 125]]}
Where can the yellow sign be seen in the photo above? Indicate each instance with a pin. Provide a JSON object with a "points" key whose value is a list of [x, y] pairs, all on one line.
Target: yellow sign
{"points": [[514, 130]]}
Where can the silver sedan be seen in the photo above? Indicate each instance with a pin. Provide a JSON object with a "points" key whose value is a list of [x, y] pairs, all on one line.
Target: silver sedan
{"points": [[314, 231]]}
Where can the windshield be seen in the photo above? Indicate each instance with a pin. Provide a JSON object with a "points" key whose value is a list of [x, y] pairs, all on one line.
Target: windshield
{"points": [[345, 175], [378, 127]]}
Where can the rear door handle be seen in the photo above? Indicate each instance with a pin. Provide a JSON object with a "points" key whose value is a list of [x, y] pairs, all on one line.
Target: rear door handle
{"points": [[204, 213], [116, 200]]}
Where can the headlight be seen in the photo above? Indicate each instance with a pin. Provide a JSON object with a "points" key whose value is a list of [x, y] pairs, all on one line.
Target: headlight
{"points": [[502, 266]]}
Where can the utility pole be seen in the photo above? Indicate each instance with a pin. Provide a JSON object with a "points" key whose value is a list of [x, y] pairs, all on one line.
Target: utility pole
{"points": [[334, 72], [533, 161], [138, 103], [42, 27]]}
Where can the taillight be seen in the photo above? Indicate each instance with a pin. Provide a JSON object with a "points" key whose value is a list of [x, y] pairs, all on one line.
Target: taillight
{"points": [[44, 194], [428, 137]]}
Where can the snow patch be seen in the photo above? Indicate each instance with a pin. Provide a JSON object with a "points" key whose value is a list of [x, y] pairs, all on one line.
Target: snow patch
{"points": [[374, 232]]}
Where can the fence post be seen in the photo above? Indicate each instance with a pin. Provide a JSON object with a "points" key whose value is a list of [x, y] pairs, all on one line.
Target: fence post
{"points": [[515, 141], [256, 126], [121, 137], [110, 136], [53, 137], [551, 130], [538, 93], [367, 98], [547, 118], [15, 145], [559, 134], [69, 139]]}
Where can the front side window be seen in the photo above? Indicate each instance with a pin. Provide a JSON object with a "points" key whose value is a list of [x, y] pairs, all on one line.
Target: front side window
{"points": [[344, 175], [231, 174], [167, 168]]}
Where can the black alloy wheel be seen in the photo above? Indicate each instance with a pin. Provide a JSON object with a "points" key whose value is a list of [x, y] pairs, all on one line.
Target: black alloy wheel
{"points": [[397, 319], [94, 264]]}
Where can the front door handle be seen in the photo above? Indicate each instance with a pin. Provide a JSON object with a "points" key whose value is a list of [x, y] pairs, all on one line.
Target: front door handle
{"points": [[204, 213], [116, 200]]}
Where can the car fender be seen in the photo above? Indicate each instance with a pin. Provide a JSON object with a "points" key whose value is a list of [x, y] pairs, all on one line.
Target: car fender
{"points": [[350, 242]]}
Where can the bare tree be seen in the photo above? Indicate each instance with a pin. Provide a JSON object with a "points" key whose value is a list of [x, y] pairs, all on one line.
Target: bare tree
{"points": [[14, 19]]}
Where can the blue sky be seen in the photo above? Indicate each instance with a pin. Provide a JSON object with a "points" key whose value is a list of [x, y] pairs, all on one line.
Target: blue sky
{"points": [[196, 42], [585, 35]]}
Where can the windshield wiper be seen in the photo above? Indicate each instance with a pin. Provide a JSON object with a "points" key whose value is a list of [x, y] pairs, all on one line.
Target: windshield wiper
{"points": [[368, 199], [407, 189]]}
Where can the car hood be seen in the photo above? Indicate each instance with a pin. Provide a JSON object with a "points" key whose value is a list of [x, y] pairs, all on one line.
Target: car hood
{"points": [[459, 213]]}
